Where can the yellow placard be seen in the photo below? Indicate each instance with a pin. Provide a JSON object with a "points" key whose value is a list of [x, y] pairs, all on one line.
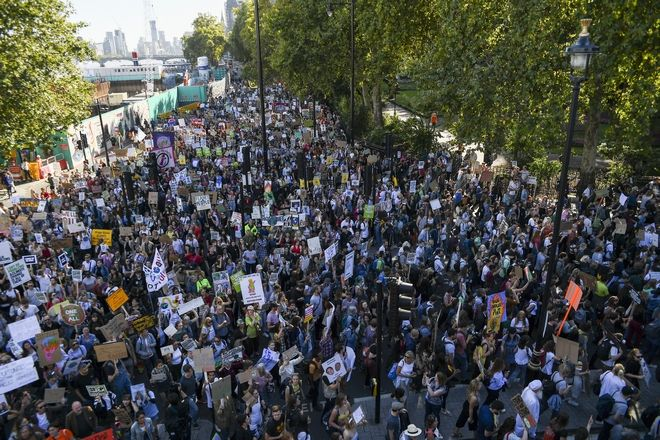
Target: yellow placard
{"points": [[182, 159], [316, 181], [188, 107], [344, 177], [117, 299], [105, 234], [55, 309], [302, 183]]}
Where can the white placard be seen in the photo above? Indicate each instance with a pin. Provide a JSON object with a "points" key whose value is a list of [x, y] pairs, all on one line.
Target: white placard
{"points": [[18, 273], [168, 349], [334, 368], [100, 203], [331, 251], [74, 228], [41, 206], [252, 290], [623, 199], [203, 202], [24, 329], [76, 275], [157, 275], [17, 374], [5, 253], [170, 330], [30, 260], [314, 245], [349, 261], [190, 305], [435, 204]]}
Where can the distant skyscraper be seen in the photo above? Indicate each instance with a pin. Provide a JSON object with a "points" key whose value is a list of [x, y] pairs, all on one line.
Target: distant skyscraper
{"points": [[227, 14], [154, 31], [120, 43], [109, 44]]}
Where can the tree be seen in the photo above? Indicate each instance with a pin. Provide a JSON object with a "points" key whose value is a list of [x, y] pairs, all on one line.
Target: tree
{"points": [[42, 89], [207, 39], [497, 76]]}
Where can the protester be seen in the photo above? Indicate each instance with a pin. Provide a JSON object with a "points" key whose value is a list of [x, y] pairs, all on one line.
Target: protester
{"points": [[241, 280]]}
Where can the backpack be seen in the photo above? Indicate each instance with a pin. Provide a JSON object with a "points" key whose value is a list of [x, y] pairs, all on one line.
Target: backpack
{"points": [[549, 388], [604, 406], [603, 350]]}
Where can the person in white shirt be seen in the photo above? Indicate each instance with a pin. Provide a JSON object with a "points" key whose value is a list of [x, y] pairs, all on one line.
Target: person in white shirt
{"points": [[612, 380], [531, 395]]}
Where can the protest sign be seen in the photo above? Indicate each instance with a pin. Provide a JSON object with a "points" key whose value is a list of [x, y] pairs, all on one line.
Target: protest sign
{"points": [[232, 355], [435, 204], [220, 389], [331, 251], [75, 228], [110, 351], [252, 289], [620, 226], [190, 305], [71, 366], [5, 253], [156, 276], [96, 390], [368, 211], [496, 310], [309, 314], [290, 353], [53, 395], [76, 275], [39, 216], [72, 314], [24, 329], [203, 359], [349, 262], [138, 391], [153, 198], [30, 260], [106, 434], [245, 376], [114, 327], [172, 302], [102, 234], [314, 245], [566, 349], [144, 323], [125, 231], [170, 330], [168, 349], [63, 259], [48, 347], [203, 202], [17, 374], [521, 408], [117, 299], [17, 273], [334, 368]]}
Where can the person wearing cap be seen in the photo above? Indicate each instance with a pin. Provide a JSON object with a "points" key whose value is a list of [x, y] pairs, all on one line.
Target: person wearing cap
{"points": [[531, 395], [613, 424], [393, 425]]}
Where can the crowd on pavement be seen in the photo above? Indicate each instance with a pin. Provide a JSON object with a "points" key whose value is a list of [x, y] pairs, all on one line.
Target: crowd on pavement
{"points": [[184, 283]]}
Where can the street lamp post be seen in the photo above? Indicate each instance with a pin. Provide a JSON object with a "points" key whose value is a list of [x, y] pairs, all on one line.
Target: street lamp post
{"points": [[580, 54], [260, 68], [105, 142], [331, 5]]}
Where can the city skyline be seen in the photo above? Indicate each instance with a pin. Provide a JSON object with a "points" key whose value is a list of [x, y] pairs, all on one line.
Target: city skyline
{"points": [[171, 19]]}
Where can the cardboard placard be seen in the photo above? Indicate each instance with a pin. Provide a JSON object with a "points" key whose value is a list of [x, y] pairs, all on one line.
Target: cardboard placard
{"points": [[117, 299], [111, 351], [48, 348], [102, 234], [245, 376], [203, 359], [566, 349], [153, 198], [53, 395], [221, 389], [144, 322], [125, 231], [61, 243], [114, 327]]}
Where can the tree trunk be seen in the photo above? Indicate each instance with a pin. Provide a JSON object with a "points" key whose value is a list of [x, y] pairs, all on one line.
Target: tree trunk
{"points": [[592, 122], [365, 95], [377, 105]]}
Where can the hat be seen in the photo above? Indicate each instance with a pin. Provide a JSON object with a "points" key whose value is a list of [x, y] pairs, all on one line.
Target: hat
{"points": [[535, 385], [259, 267], [413, 431], [397, 406]]}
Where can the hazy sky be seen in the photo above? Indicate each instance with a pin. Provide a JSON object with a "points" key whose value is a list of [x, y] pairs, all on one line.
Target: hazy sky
{"points": [[172, 16]]}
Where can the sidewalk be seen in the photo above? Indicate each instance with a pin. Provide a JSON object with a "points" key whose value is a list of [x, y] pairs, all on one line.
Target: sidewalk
{"points": [[578, 416]]}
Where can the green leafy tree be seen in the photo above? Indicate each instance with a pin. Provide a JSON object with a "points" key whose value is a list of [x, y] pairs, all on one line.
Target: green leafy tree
{"points": [[498, 77], [207, 39], [42, 89]]}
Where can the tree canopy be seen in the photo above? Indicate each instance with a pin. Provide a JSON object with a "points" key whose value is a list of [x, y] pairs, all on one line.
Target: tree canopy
{"points": [[207, 39], [42, 89]]}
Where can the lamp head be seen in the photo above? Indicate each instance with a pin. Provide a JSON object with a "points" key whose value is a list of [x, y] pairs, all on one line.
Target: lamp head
{"points": [[583, 49]]}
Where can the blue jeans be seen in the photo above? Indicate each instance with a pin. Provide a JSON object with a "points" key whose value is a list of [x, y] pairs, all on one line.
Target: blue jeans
{"points": [[519, 372], [194, 409]]}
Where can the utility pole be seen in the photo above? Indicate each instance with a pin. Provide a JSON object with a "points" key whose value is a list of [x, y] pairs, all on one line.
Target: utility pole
{"points": [[105, 142]]}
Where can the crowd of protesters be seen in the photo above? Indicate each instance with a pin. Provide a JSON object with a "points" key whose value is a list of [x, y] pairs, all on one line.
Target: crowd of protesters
{"points": [[450, 227]]}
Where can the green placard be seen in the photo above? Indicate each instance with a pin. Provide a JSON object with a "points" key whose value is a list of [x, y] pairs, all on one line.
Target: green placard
{"points": [[368, 211]]}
